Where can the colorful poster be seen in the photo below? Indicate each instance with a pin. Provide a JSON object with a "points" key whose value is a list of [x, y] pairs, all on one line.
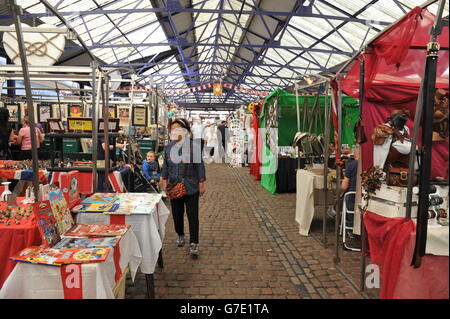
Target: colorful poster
{"points": [[61, 212], [57, 257], [46, 224], [73, 242], [124, 115], [14, 112], [98, 230]]}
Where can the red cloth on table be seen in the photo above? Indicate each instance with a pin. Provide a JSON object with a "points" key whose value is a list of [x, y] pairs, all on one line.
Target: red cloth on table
{"points": [[387, 238], [429, 281], [10, 174], [255, 166], [14, 238]]}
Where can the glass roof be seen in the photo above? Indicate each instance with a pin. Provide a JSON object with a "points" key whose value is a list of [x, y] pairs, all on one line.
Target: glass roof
{"points": [[241, 42]]}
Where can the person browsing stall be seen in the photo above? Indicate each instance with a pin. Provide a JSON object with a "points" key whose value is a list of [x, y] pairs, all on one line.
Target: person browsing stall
{"points": [[7, 135], [183, 178], [24, 139]]}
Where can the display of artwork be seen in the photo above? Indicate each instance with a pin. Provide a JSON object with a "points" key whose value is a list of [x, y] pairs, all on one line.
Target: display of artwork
{"points": [[58, 257], [136, 204], [79, 124], [61, 212], [55, 125], [69, 186], [75, 111], [60, 111], [74, 242], [46, 224], [92, 208], [124, 115], [112, 112], [14, 112], [44, 113], [97, 230], [139, 116], [113, 125]]}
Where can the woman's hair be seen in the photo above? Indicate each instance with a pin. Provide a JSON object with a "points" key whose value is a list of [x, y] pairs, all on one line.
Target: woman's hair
{"points": [[182, 122], [4, 116], [26, 120]]}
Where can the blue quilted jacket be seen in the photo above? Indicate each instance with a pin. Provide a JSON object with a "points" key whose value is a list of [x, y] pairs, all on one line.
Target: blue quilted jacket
{"points": [[183, 162]]}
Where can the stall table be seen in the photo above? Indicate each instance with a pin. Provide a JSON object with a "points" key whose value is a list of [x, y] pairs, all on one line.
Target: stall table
{"points": [[14, 238], [149, 230], [286, 176], [97, 280], [307, 183]]}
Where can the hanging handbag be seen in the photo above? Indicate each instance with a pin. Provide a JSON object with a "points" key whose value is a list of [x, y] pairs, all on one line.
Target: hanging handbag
{"points": [[360, 134], [398, 176]]}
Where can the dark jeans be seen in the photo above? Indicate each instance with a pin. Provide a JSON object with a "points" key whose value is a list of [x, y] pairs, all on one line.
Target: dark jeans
{"points": [[191, 203], [26, 155]]}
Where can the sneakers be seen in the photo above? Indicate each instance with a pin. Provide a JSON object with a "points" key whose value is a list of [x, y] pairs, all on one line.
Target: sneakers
{"points": [[180, 241], [193, 250]]}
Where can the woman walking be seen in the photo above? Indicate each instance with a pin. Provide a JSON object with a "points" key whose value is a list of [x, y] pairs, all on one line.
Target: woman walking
{"points": [[183, 178]]}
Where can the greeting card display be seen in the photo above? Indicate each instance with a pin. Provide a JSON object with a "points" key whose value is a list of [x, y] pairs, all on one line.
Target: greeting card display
{"points": [[58, 257], [61, 212], [100, 230], [74, 242], [69, 186], [136, 204], [46, 224]]}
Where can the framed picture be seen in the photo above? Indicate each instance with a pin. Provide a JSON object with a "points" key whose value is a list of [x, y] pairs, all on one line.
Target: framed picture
{"points": [[124, 115], [59, 112], [139, 116], [56, 126], [75, 111], [44, 113], [112, 123], [14, 112], [79, 124], [112, 112]]}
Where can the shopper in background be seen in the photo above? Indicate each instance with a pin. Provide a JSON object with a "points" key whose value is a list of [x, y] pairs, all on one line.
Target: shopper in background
{"points": [[349, 185], [7, 135], [198, 131], [183, 163], [24, 139], [151, 169], [211, 141]]}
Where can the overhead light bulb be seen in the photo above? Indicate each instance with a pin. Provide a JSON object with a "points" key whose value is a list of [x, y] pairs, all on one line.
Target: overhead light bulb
{"points": [[309, 80]]}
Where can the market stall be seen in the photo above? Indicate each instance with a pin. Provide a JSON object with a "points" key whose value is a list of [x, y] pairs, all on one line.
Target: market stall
{"points": [[391, 78], [279, 122]]}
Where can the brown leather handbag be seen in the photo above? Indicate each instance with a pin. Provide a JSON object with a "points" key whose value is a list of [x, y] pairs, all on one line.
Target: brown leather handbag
{"points": [[398, 176]]}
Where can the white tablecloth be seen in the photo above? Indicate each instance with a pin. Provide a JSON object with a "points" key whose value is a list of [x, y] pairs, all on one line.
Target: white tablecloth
{"points": [[149, 230], [31, 281]]}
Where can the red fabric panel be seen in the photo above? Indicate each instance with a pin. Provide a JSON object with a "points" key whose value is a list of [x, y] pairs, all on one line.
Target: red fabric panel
{"points": [[387, 240], [14, 238], [85, 183], [116, 262], [255, 166], [429, 281], [117, 219], [72, 281], [392, 61]]}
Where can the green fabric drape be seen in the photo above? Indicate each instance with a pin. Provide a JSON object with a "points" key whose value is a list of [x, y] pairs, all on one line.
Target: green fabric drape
{"points": [[287, 127]]}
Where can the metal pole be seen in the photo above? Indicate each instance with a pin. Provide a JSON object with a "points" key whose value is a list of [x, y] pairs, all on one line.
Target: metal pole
{"points": [[362, 75], [327, 114], [16, 10], [299, 165], [427, 101], [105, 97], [95, 103], [338, 174]]}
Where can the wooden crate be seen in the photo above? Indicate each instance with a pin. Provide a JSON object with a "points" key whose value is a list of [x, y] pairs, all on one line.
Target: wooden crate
{"points": [[119, 288]]}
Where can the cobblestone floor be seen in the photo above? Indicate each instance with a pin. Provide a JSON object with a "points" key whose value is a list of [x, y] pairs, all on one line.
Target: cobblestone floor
{"points": [[249, 248]]}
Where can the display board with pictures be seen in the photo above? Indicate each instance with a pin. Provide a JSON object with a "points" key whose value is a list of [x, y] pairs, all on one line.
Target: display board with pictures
{"points": [[79, 124], [75, 111], [55, 125], [139, 116], [113, 125], [59, 111], [44, 112], [14, 112], [124, 115]]}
